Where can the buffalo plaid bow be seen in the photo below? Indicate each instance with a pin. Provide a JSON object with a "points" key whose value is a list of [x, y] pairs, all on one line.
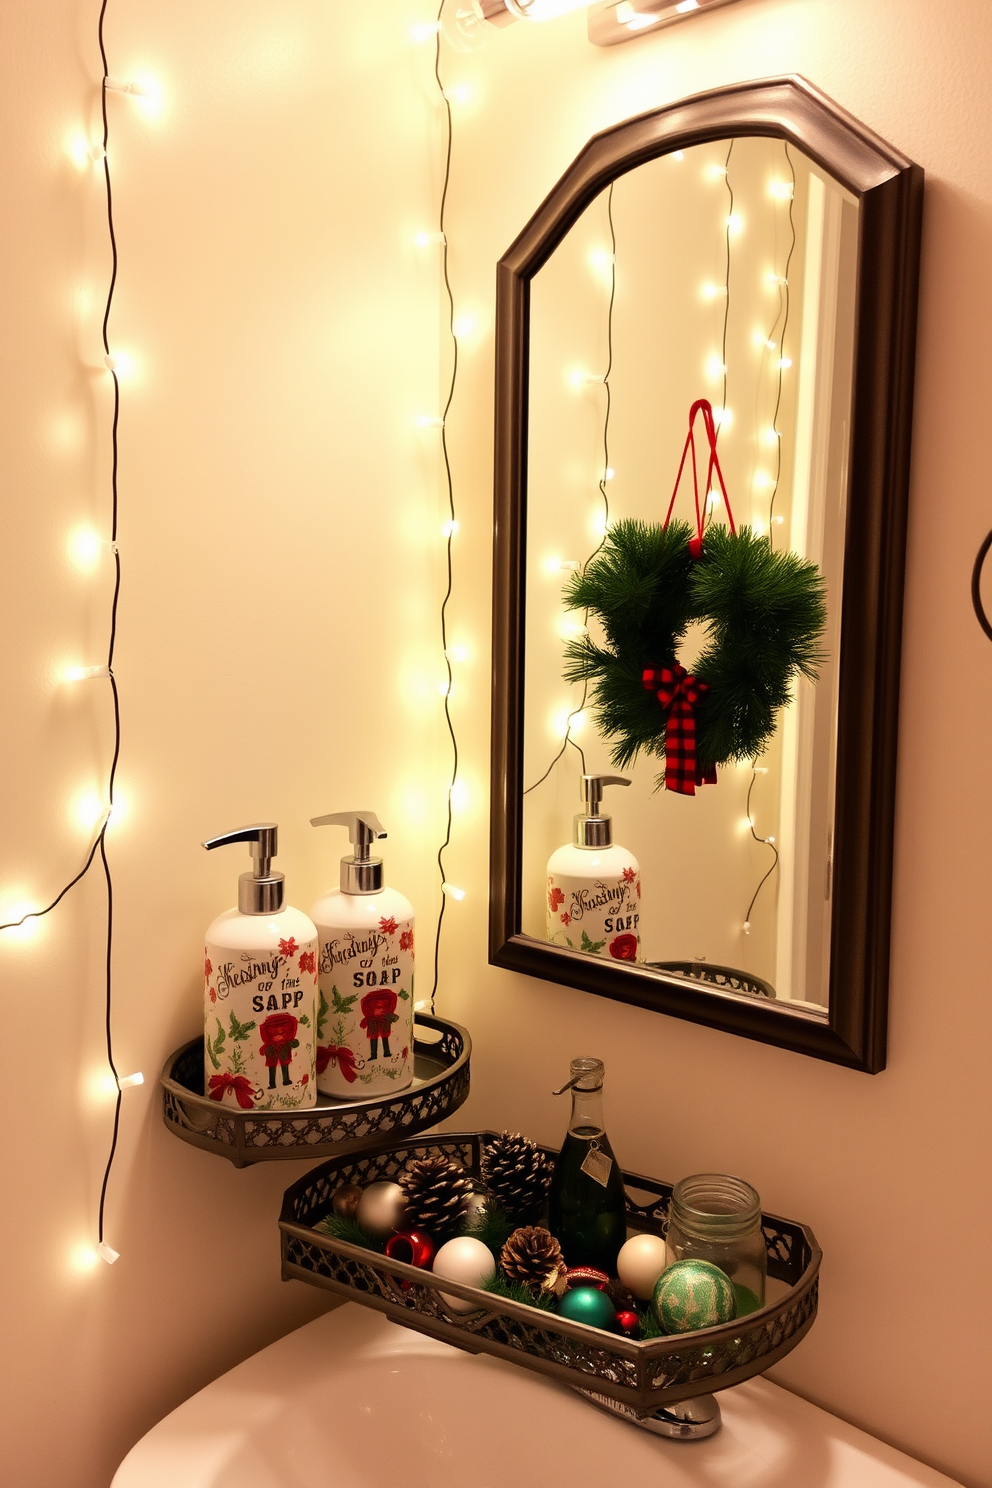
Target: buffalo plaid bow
{"points": [[679, 693]]}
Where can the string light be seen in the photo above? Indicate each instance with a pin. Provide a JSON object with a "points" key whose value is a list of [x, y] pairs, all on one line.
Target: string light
{"points": [[425, 239], [448, 891], [448, 529], [128, 1082], [17, 921], [429, 421], [574, 720], [424, 31]]}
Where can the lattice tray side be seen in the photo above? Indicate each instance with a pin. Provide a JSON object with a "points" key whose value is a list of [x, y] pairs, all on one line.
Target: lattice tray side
{"points": [[642, 1375], [442, 1068]]}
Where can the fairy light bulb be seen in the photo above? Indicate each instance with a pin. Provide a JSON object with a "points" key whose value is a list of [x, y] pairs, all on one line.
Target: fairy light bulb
{"points": [[456, 654], [108, 1253], [609, 473], [84, 547], [453, 891], [429, 421], [458, 795], [735, 224], [463, 325], [128, 1082], [785, 363], [715, 366], [449, 528], [85, 674], [459, 93], [426, 239], [723, 418], [424, 31]]}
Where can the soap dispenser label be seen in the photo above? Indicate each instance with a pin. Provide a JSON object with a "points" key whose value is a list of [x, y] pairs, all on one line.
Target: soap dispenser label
{"points": [[260, 1012], [365, 1016], [600, 916]]}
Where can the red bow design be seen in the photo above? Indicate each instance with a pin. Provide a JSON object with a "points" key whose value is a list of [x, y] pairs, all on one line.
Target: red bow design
{"points": [[679, 693], [342, 1057], [242, 1087]]}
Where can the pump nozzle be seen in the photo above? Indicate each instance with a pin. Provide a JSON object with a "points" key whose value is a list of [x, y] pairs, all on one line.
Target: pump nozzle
{"points": [[592, 829], [361, 873], [261, 891]]}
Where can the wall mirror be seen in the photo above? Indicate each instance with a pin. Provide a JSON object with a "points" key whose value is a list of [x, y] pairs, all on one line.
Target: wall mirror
{"points": [[758, 248]]}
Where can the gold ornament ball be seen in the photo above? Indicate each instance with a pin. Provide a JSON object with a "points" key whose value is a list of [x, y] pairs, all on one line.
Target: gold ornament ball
{"points": [[381, 1209], [346, 1200]]}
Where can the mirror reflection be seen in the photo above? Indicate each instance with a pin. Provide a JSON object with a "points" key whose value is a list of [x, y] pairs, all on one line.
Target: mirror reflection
{"points": [[724, 272]]}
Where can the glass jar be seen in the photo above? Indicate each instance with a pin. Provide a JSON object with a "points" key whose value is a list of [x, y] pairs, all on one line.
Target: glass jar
{"points": [[715, 1217]]}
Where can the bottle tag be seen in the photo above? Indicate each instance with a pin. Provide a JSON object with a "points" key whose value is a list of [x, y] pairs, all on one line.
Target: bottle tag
{"points": [[598, 1166]]}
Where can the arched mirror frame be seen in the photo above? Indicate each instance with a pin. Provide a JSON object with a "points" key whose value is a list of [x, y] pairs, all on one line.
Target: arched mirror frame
{"points": [[889, 188]]}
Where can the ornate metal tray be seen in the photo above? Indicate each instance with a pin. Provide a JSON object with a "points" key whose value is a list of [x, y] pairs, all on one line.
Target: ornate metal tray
{"points": [[440, 1086], [643, 1376]]}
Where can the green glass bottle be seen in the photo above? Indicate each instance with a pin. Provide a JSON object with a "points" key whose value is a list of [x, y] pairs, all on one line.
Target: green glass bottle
{"points": [[587, 1208]]}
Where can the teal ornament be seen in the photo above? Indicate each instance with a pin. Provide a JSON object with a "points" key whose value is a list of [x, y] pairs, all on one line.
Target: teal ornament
{"points": [[693, 1294], [588, 1305]]}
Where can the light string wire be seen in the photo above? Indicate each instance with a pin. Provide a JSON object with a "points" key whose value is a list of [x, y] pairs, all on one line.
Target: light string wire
{"points": [[782, 315], [603, 480], [100, 843], [451, 497]]}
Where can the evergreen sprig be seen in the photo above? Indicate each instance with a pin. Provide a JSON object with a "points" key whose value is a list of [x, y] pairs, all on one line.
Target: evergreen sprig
{"points": [[516, 1291], [349, 1231], [492, 1225], [764, 613]]}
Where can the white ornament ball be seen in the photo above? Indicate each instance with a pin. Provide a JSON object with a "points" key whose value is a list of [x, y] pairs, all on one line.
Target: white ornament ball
{"points": [[468, 1261], [381, 1209], [640, 1262]]}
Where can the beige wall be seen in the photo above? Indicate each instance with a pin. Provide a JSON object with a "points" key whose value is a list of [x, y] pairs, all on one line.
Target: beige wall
{"points": [[278, 656]]}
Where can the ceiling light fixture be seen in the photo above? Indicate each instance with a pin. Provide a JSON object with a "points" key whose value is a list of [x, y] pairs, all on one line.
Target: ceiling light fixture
{"points": [[613, 21]]}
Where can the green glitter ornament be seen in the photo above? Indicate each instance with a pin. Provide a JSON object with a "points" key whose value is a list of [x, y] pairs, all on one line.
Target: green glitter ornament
{"points": [[693, 1294], [588, 1305]]}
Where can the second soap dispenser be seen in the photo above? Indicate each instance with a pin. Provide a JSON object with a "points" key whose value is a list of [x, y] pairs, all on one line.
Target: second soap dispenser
{"points": [[594, 885], [365, 1022]]}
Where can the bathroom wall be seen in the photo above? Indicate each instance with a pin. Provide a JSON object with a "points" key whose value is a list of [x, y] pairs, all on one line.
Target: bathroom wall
{"points": [[892, 1171], [278, 656]]}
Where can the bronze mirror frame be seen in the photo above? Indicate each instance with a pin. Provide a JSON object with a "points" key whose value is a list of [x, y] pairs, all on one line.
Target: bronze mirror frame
{"points": [[889, 188]]}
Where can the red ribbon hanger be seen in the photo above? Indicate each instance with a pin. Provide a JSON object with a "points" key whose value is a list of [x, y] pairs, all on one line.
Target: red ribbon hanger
{"points": [[701, 406], [678, 692]]}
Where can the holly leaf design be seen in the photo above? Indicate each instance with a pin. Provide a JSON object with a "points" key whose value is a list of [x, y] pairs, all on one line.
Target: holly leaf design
{"points": [[304, 1019], [342, 1004], [240, 1031], [403, 996], [215, 1049], [591, 945], [322, 1013]]}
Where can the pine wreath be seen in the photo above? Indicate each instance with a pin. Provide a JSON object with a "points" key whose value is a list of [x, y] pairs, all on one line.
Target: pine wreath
{"points": [[764, 612]]}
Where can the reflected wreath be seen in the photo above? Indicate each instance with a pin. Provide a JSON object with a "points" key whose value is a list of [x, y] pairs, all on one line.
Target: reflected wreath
{"points": [[764, 613]]}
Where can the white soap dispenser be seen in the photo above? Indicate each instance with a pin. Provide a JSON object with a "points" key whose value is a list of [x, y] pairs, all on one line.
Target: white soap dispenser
{"points": [[260, 995], [594, 886], [365, 1020]]}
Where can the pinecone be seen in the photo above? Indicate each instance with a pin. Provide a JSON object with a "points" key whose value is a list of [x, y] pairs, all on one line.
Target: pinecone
{"points": [[532, 1255], [517, 1175], [437, 1196]]}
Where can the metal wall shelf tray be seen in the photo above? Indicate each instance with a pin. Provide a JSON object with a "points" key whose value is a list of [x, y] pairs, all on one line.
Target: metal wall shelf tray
{"points": [[642, 1375], [441, 1054]]}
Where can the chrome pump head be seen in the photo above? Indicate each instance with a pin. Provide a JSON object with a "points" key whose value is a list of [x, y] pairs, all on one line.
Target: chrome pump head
{"points": [[361, 873], [262, 891], [592, 829]]}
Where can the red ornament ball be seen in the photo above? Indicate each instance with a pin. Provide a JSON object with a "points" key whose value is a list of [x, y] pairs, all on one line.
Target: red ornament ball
{"points": [[629, 1324]]}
